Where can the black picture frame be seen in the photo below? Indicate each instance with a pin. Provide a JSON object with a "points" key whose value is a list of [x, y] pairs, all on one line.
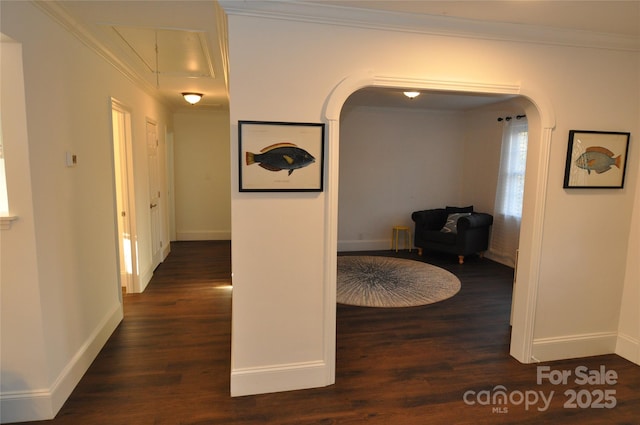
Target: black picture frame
{"points": [[596, 159], [279, 156]]}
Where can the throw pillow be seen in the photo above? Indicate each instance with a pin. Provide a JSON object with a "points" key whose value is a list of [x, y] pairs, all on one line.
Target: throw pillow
{"points": [[451, 226], [451, 210]]}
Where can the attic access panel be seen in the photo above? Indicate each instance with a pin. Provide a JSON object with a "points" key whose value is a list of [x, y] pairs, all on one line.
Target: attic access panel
{"points": [[169, 52]]}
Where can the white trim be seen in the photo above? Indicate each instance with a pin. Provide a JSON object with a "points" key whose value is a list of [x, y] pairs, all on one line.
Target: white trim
{"points": [[286, 377], [427, 24], [7, 221], [499, 258], [23, 406], [368, 78], [143, 281], [524, 313], [526, 292], [369, 245], [204, 235], [574, 346], [331, 248], [628, 347], [126, 111], [166, 250], [58, 14], [44, 404]]}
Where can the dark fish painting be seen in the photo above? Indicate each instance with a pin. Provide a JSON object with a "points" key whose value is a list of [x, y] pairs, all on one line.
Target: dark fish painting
{"points": [[281, 156], [598, 159]]}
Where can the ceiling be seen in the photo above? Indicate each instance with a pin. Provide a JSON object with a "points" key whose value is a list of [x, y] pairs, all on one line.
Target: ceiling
{"points": [[605, 16], [169, 47], [180, 46], [395, 98]]}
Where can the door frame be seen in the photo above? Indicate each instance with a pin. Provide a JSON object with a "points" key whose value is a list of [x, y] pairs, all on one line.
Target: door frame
{"points": [[156, 209], [525, 298], [123, 155]]}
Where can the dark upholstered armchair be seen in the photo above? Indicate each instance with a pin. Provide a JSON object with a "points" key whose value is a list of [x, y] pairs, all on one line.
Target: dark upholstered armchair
{"points": [[453, 230]]}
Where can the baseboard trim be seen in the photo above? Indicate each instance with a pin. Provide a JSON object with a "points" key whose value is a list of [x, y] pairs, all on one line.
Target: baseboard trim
{"points": [[44, 404], [366, 245], [166, 250], [144, 280], [271, 379], [502, 259], [26, 406], [205, 235], [574, 346], [628, 347]]}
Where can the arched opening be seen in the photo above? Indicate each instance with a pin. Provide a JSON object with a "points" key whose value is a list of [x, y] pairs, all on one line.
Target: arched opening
{"points": [[541, 124]]}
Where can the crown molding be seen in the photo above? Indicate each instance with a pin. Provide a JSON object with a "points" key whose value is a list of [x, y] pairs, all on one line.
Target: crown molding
{"points": [[427, 24], [77, 29], [223, 45]]}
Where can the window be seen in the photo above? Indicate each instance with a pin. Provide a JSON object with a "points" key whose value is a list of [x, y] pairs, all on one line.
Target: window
{"points": [[513, 164], [505, 235]]}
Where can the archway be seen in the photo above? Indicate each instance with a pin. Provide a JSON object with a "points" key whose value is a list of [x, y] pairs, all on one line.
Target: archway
{"points": [[541, 126]]}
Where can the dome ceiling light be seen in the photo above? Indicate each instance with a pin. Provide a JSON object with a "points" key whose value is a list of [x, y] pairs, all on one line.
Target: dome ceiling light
{"points": [[192, 98]]}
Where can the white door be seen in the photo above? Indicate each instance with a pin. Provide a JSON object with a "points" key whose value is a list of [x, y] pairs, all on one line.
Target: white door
{"points": [[121, 123], [155, 206]]}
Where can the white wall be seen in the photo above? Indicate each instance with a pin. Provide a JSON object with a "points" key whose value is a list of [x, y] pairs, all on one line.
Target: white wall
{"points": [[394, 161], [202, 175], [585, 250], [277, 253], [62, 250]]}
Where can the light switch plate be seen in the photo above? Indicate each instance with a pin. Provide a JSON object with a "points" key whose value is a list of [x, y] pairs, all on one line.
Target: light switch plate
{"points": [[71, 159]]}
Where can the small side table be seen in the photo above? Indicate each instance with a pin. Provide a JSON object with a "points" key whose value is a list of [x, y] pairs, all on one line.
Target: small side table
{"points": [[406, 231]]}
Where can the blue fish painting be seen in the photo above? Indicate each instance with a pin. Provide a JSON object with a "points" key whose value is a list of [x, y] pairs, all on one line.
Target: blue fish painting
{"points": [[281, 156], [598, 159]]}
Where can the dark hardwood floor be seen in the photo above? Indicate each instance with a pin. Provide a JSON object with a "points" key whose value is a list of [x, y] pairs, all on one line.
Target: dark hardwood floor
{"points": [[169, 360]]}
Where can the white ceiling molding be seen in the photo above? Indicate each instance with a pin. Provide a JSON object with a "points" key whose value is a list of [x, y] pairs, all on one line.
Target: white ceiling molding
{"points": [[75, 28], [427, 24], [358, 81], [223, 43], [165, 85]]}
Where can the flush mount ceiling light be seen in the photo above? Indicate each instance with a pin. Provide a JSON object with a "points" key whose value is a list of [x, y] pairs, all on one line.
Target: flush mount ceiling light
{"points": [[412, 94], [192, 98]]}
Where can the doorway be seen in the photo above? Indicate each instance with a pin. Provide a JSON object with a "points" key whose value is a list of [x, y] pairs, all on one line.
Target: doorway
{"points": [[542, 123], [155, 191], [125, 210]]}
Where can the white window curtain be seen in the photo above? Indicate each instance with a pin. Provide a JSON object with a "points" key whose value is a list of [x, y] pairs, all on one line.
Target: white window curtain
{"points": [[507, 215]]}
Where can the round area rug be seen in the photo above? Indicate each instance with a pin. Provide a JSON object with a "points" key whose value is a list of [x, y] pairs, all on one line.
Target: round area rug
{"points": [[369, 281]]}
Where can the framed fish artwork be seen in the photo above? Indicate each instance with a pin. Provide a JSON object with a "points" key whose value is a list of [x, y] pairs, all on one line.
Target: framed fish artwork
{"points": [[281, 156], [596, 159]]}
